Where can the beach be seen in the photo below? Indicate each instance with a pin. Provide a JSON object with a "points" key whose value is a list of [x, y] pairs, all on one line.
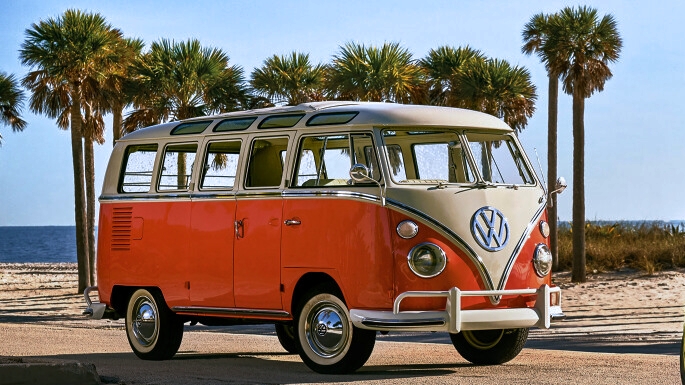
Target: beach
{"points": [[628, 307], [617, 312]]}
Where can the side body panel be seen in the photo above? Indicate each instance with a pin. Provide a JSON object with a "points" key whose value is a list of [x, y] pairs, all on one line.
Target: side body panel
{"points": [[211, 252], [257, 258], [348, 236], [147, 244]]}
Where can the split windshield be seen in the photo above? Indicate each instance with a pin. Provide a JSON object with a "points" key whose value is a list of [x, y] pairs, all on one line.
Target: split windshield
{"points": [[446, 156]]}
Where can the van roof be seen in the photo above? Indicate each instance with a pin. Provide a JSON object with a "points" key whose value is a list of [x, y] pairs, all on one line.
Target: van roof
{"points": [[364, 113]]}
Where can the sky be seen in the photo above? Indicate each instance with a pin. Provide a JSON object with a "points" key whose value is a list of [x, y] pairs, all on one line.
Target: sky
{"points": [[634, 129]]}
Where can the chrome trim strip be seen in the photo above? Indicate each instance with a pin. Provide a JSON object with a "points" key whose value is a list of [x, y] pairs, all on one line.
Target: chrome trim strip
{"points": [[245, 194], [329, 193], [231, 311], [475, 258], [143, 197], [519, 246]]}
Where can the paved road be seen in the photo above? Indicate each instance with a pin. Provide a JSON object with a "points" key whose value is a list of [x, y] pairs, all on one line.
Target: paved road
{"points": [[220, 357]]}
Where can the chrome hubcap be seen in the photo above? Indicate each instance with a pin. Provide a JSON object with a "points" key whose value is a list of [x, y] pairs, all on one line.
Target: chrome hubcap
{"points": [[327, 329], [145, 324]]}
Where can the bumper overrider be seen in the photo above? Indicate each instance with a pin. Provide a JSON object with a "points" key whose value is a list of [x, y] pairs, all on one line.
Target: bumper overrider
{"points": [[547, 309], [97, 310]]}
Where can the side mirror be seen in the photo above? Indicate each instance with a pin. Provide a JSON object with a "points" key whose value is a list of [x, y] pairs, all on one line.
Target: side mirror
{"points": [[360, 173], [559, 187]]}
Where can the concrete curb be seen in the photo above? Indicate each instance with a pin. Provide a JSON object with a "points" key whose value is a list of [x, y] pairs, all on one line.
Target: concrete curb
{"points": [[35, 371]]}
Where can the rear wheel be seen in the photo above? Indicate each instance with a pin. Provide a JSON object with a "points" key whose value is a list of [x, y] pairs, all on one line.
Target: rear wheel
{"points": [[490, 347], [154, 332], [286, 336], [328, 341]]}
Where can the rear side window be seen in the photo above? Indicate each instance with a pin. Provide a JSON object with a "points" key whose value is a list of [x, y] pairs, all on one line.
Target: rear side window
{"points": [[221, 165], [177, 167], [138, 164], [266, 162]]}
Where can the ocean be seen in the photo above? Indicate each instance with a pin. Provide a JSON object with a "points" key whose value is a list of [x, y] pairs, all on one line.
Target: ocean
{"points": [[58, 243], [37, 244]]}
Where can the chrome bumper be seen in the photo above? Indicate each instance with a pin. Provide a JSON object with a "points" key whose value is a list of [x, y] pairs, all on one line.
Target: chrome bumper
{"points": [[454, 319], [94, 310]]}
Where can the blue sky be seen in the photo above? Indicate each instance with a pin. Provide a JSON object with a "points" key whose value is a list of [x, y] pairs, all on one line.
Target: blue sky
{"points": [[635, 129]]}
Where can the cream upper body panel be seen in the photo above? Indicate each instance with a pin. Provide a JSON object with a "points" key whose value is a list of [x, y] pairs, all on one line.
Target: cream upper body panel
{"points": [[366, 115]]}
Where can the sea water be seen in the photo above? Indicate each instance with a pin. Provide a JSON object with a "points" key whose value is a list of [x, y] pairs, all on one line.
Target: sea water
{"points": [[38, 244]]}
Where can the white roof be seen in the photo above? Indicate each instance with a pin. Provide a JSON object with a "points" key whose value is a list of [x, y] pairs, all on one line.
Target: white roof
{"points": [[369, 114]]}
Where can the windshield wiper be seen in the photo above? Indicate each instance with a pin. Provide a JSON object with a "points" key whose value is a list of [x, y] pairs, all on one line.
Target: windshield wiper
{"points": [[483, 184]]}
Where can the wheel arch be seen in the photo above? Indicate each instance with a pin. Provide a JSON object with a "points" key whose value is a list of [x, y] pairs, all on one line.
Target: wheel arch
{"points": [[309, 281], [122, 294]]}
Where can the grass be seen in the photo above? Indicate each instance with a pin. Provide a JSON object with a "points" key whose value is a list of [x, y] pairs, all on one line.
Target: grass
{"points": [[649, 247]]}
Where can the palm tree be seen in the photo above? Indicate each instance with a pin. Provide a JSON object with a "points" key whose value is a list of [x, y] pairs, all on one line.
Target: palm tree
{"points": [[118, 89], [442, 66], [370, 73], [535, 36], [176, 81], [495, 87], [67, 52], [11, 103], [586, 44], [289, 79]]}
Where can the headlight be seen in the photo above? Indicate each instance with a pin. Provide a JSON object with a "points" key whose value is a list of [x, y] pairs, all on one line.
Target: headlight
{"points": [[542, 260], [427, 260]]}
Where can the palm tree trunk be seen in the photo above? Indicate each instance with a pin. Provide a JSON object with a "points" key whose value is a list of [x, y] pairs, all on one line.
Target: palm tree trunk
{"points": [[117, 119], [90, 196], [552, 212], [79, 196], [578, 274]]}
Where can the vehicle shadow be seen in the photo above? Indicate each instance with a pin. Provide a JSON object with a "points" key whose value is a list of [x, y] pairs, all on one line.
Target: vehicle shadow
{"points": [[243, 367]]}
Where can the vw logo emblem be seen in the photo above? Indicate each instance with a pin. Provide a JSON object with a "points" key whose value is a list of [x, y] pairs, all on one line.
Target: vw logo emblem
{"points": [[490, 228], [321, 329]]}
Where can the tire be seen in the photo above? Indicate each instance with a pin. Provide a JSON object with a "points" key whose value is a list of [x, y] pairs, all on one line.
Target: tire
{"points": [[328, 342], [286, 336], [154, 332], [490, 347]]}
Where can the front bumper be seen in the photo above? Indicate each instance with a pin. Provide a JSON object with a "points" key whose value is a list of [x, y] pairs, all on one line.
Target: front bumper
{"points": [[547, 309]]}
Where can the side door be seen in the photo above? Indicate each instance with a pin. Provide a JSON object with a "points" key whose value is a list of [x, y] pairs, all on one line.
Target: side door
{"points": [[259, 216], [337, 226], [213, 225]]}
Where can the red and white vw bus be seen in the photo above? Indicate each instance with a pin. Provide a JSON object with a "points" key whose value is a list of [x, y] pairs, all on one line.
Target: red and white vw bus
{"points": [[331, 220]]}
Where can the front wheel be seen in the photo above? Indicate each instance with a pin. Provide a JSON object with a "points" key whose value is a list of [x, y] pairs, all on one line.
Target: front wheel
{"points": [[490, 347], [329, 343], [154, 332]]}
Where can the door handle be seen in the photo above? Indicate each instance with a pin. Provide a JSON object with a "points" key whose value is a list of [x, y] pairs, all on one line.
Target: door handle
{"points": [[239, 229], [292, 222]]}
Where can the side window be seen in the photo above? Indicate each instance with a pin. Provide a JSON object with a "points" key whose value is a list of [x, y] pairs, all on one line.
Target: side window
{"points": [[326, 160], [323, 161], [221, 165], [266, 162], [177, 167], [137, 174]]}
